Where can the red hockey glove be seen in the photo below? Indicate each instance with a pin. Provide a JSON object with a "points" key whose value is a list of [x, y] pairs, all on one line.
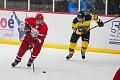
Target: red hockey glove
{"points": [[36, 41], [100, 24]]}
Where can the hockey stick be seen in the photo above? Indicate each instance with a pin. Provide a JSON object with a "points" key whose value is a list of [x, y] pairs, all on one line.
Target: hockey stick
{"points": [[30, 52], [104, 22]]}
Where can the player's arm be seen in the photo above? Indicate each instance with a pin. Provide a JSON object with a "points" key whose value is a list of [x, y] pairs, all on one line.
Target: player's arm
{"points": [[27, 29], [97, 20], [43, 33], [75, 24], [29, 24]]}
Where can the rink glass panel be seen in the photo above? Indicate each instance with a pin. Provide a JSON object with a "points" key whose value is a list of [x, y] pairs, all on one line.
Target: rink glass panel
{"points": [[17, 4], [1, 3], [59, 5]]}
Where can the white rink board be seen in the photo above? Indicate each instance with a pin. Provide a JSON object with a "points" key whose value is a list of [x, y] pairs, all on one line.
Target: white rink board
{"points": [[60, 29]]}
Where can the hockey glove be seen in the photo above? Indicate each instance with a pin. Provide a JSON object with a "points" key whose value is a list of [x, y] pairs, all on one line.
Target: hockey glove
{"points": [[36, 41], [74, 30], [100, 24], [83, 29]]}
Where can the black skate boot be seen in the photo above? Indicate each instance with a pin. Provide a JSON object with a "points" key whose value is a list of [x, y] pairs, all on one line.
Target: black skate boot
{"points": [[15, 63], [17, 60], [71, 52], [83, 55], [69, 56], [30, 62]]}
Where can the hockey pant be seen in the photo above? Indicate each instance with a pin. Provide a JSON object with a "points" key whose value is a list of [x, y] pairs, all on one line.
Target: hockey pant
{"points": [[74, 39]]}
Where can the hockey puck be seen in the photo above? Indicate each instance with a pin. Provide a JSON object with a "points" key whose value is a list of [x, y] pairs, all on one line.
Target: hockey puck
{"points": [[44, 71]]}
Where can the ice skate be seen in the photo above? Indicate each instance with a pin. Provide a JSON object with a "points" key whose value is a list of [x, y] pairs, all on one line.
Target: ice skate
{"points": [[83, 55], [17, 60], [69, 56], [30, 62], [15, 63]]}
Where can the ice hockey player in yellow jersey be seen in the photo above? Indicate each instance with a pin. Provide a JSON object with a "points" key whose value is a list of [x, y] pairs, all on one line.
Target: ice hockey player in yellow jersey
{"points": [[81, 28]]}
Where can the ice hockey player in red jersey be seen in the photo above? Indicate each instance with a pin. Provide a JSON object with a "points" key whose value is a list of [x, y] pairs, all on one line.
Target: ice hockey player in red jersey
{"points": [[36, 31], [117, 75]]}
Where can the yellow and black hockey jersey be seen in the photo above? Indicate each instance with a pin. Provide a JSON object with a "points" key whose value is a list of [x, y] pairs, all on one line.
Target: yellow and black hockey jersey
{"points": [[85, 24]]}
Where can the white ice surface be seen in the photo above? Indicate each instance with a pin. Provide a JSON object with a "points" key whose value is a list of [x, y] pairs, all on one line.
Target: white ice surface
{"points": [[96, 66]]}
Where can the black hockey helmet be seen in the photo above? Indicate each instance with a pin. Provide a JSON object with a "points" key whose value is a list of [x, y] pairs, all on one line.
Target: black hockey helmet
{"points": [[81, 14]]}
